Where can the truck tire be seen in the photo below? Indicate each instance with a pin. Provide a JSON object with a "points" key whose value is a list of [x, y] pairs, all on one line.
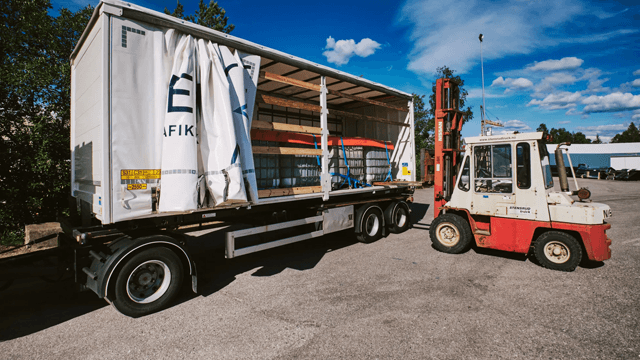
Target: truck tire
{"points": [[370, 226], [557, 251], [450, 233], [397, 216], [148, 282]]}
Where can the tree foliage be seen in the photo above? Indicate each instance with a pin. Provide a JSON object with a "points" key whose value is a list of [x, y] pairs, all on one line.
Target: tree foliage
{"points": [[211, 16], [632, 134], [425, 118], [561, 135], [34, 111]]}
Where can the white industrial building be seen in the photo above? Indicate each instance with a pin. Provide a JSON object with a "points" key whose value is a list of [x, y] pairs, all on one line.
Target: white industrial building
{"points": [[618, 156]]}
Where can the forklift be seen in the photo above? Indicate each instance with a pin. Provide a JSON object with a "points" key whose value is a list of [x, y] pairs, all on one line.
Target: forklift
{"points": [[503, 197]]}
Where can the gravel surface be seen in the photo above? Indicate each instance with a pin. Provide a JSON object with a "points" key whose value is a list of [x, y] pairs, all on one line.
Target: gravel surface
{"points": [[334, 298]]}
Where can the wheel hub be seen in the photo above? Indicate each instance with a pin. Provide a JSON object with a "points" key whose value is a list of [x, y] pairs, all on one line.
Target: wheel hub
{"points": [[148, 282], [557, 252], [372, 224], [448, 234]]}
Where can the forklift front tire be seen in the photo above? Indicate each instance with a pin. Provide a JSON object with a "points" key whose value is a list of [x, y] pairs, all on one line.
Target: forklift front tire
{"points": [[450, 233], [556, 250]]}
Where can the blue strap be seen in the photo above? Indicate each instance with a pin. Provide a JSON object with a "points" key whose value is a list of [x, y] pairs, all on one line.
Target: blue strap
{"points": [[389, 176], [344, 154], [316, 144]]}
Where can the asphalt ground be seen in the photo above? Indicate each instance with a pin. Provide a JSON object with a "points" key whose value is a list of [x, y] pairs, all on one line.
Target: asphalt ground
{"points": [[334, 298]]}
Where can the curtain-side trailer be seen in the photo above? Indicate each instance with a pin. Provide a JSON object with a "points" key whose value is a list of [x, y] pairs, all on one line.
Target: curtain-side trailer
{"points": [[174, 124]]}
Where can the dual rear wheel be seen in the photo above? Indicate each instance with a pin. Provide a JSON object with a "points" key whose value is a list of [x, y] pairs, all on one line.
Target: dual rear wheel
{"points": [[396, 217]]}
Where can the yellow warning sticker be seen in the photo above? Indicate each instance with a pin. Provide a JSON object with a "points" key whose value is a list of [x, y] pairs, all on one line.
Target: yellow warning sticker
{"points": [[139, 174], [137, 187], [405, 169]]}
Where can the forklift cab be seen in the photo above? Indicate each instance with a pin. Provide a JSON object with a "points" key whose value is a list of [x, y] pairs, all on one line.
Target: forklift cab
{"points": [[504, 175]]}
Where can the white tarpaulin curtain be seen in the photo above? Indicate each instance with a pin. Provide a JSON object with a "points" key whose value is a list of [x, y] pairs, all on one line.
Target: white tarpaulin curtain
{"points": [[218, 146], [179, 146], [172, 122]]}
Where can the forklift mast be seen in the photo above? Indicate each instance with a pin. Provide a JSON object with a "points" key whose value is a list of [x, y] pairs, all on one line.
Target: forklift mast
{"points": [[448, 123]]}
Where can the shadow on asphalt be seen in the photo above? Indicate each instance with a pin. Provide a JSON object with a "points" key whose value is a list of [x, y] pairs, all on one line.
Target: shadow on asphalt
{"points": [[32, 305], [418, 212], [215, 272]]}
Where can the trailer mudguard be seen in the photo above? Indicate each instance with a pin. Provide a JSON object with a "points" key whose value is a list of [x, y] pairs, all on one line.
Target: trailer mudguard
{"points": [[103, 267]]}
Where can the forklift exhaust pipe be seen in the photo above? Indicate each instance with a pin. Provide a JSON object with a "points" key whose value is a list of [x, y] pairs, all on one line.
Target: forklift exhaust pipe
{"points": [[562, 170]]}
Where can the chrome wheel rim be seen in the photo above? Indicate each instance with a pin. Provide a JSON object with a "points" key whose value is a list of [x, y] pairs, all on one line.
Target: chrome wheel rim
{"points": [[372, 224], [401, 217], [148, 281], [557, 252], [448, 234]]}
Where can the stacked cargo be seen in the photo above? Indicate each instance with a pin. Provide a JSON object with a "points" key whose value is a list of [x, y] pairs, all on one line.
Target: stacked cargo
{"points": [[347, 162], [267, 167], [376, 164], [299, 170]]}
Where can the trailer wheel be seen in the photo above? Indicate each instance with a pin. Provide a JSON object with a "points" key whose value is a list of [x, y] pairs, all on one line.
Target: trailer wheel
{"points": [[148, 282], [397, 216], [450, 233], [557, 251], [370, 226]]}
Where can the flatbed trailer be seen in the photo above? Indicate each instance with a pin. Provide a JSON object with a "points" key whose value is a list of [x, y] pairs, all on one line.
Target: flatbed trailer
{"points": [[124, 247]]}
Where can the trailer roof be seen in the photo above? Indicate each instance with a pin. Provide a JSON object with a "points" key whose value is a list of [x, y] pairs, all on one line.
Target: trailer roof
{"points": [[273, 61]]}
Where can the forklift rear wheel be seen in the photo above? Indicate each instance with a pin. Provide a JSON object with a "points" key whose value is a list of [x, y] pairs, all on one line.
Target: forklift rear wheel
{"points": [[397, 216], [450, 233], [558, 251], [148, 282], [371, 226]]}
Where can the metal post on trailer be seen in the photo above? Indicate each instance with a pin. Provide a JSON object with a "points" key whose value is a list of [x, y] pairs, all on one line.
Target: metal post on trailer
{"points": [[325, 178]]}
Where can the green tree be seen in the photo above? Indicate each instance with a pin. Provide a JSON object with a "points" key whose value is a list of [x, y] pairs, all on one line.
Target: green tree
{"points": [[445, 72], [34, 112], [543, 128], [211, 16], [632, 134], [561, 135], [580, 138], [597, 140]]}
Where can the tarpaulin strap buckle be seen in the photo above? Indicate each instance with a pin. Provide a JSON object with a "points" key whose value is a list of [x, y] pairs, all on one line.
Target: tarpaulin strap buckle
{"points": [[389, 176], [317, 157]]}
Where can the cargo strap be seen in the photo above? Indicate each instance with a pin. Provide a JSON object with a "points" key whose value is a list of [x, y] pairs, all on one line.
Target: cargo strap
{"points": [[389, 176], [348, 178]]}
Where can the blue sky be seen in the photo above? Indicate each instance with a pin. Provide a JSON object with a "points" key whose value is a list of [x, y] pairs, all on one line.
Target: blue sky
{"points": [[565, 63]]}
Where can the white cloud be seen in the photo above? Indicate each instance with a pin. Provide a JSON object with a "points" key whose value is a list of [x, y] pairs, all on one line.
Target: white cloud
{"points": [[516, 125], [339, 52], [636, 115], [592, 75], [606, 15], [611, 103], [512, 84], [564, 122], [636, 83], [448, 35], [606, 132], [549, 83], [566, 63], [637, 72], [512, 126], [561, 100]]}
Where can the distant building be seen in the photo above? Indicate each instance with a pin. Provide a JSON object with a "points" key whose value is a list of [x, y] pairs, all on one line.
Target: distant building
{"points": [[596, 155]]}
